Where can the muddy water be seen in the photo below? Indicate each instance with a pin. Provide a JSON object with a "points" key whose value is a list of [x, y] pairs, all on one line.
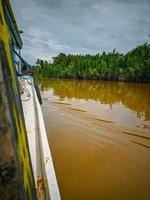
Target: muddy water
{"points": [[99, 135]]}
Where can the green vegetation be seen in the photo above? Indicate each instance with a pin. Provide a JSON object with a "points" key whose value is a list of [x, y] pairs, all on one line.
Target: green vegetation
{"points": [[133, 66]]}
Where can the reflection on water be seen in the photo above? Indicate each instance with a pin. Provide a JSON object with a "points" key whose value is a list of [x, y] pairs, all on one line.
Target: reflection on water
{"points": [[134, 96], [99, 137]]}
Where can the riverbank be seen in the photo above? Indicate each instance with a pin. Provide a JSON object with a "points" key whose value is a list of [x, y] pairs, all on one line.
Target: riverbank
{"points": [[133, 66], [39, 77]]}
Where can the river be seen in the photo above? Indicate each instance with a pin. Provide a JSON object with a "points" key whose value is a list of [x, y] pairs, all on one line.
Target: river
{"points": [[99, 135]]}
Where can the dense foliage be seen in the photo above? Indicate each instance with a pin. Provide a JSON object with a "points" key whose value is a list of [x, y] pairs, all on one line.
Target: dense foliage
{"points": [[133, 66]]}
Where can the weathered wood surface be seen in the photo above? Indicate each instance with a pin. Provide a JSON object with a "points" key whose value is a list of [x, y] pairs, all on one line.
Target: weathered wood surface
{"points": [[9, 179], [16, 176]]}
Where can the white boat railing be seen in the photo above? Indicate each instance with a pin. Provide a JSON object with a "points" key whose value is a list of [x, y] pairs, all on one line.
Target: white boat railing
{"points": [[41, 158]]}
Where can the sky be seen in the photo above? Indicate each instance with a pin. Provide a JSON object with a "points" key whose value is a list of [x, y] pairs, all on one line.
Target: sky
{"points": [[80, 26]]}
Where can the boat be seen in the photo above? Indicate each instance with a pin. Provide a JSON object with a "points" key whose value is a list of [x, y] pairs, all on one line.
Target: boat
{"points": [[26, 165]]}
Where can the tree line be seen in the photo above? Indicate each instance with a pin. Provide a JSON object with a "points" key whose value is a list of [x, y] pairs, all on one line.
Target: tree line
{"points": [[132, 66]]}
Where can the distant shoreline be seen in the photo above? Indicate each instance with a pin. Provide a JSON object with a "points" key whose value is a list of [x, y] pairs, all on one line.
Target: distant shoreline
{"points": [[131, 67], [80, 79]]}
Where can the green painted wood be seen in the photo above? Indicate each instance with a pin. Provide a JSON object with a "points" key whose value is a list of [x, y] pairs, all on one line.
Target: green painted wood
{"points": [[16, 174]]}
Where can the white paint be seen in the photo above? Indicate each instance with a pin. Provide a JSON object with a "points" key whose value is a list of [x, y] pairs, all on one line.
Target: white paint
{"points": [[42, 162], [48, 167], [30, 121]]}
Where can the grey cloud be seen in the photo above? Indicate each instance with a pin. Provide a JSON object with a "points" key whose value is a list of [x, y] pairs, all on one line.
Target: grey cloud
{"points": [[81, 26], [49, 3]]}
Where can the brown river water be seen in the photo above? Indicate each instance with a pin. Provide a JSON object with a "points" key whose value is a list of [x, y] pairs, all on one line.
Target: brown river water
{"points": [[99, 136]]}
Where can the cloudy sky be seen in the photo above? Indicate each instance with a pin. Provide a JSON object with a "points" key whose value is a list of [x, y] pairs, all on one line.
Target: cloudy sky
{"points": [[81, 26]]}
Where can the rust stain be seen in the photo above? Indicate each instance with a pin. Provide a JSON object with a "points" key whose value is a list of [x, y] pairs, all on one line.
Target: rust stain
{"points": [[40, 187]]}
